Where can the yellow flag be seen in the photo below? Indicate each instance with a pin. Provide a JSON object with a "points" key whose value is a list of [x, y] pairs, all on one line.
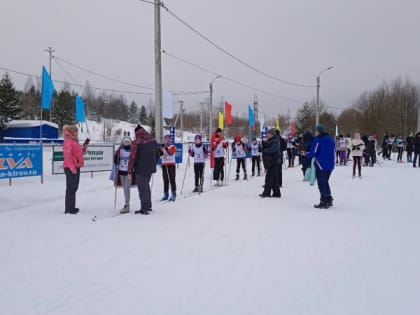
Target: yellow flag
{"points": [[221, 120], [277, 124]]}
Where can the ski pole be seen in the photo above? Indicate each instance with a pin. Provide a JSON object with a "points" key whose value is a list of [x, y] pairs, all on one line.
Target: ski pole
{"points": [[185, 173], [115, 193]]}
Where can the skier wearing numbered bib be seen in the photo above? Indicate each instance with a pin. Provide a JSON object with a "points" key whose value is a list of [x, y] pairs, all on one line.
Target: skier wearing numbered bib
{"points": [[168, 151], [121, 159], [199, 152], [239, 148], [255, 148], [218, 147]]}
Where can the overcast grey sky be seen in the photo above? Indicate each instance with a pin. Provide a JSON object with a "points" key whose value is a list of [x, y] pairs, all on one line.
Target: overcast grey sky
{"points": [[367, 41]]}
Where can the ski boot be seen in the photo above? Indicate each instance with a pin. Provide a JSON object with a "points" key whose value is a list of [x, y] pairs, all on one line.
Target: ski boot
{"points": [[141, 211], [237, 177], [329, 201], [245, 177], [165, 197], [125, 209], [173, 197], [322, 205], [252, 174], [195, 190]]}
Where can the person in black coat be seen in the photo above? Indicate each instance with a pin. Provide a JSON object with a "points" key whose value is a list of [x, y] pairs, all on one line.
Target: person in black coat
{"points": [[307, 139], [283, 147], [416, 143], [409, 147], [271, 162], [143, 160]]}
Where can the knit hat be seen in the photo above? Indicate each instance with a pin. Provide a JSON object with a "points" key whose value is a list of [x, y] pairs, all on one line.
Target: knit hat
{"points": [[167, 137], [72, 129], [137, 128], [320, 128], [125, 138], [272, 132], [197, 137], [218, 130]]}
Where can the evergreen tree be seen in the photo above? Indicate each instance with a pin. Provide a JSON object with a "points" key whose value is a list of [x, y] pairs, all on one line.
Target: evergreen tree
{"points": [[9, 101], [31, 101], [143, 115], [133, 112], [63, 111], [305, 118]]}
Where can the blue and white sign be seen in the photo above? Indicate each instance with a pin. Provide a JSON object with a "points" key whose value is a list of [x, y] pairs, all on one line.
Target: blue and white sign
{"points": [[172, 133], [264, 133], [20, 161]]}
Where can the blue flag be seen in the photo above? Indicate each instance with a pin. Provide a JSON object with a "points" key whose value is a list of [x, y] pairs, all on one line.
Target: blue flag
{"points": [[80, 109], [47, 89], [251, 116]]}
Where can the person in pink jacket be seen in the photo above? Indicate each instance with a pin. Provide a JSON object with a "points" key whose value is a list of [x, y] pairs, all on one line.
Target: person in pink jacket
{"points": [[73, 161]]}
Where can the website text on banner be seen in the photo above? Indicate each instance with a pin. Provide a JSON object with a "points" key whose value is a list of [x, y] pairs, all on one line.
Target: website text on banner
{"points": [[20, 161]]}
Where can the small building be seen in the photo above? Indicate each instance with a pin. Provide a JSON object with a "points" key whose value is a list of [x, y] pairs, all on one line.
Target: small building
{"points": [[30, 130]]}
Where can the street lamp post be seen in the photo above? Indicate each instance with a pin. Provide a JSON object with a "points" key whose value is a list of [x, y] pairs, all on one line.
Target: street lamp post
{"points": [[318, 85], [211, 105]]}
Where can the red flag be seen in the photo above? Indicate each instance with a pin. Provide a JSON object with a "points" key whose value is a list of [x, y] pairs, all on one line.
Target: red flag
{"points": [[292, 128], [228, 111]]}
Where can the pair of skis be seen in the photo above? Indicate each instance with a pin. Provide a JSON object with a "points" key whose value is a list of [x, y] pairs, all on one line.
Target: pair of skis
{"points": [[96, 218]]}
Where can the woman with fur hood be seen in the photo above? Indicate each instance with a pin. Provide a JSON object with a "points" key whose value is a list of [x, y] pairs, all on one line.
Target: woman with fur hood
{"points": [[73, 161]]}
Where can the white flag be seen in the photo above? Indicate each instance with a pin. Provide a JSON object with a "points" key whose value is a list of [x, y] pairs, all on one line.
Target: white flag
{"points": [[167, 104], [262, 121]]}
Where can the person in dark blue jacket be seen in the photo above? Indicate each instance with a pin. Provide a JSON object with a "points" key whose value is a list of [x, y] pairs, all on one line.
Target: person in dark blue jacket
{"points": [[271, 162], [322, 149]]}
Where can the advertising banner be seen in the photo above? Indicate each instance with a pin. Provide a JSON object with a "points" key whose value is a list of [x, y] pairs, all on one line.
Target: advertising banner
{"points": [[98, 158], [20, 161]]}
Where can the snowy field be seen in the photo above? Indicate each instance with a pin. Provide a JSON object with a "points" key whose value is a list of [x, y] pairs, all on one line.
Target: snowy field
{"points": [[226, 251]]}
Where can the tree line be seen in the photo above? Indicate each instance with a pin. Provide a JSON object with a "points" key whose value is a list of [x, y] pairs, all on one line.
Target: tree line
{"points": [[392, 107]]}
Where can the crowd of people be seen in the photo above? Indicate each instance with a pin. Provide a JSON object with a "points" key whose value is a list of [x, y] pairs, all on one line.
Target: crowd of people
{"points": [[135, 161]]}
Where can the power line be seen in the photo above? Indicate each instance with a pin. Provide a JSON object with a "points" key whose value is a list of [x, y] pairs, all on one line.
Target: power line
{"points": [[64, 70], [78, 85], [102, 75], [229, 79], [176, 93], [231, 55], [121, 81]]}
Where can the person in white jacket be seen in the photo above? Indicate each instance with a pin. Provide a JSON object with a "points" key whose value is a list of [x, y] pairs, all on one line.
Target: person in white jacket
{"points": [[357, 147]]}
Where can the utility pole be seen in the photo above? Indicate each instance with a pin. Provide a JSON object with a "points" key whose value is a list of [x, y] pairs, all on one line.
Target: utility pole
{"points": [[182, 120], [50, 52], [317, 101], [158, 75], [318, 85], [211, 105], [211, 109], [201, 118]]}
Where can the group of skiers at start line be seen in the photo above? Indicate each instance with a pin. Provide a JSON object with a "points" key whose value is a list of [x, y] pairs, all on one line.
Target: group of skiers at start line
{"points": [[135, 162]]}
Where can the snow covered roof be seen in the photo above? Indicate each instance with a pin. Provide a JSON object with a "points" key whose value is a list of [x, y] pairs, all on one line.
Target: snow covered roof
{"points": [[29, 123]]}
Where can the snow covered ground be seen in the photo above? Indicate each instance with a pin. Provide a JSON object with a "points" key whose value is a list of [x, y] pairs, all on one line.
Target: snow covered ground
{"points": [[226, 251]]}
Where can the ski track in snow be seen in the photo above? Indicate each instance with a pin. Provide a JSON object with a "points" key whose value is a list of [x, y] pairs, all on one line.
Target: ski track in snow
{"points": [[226, 251]]}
